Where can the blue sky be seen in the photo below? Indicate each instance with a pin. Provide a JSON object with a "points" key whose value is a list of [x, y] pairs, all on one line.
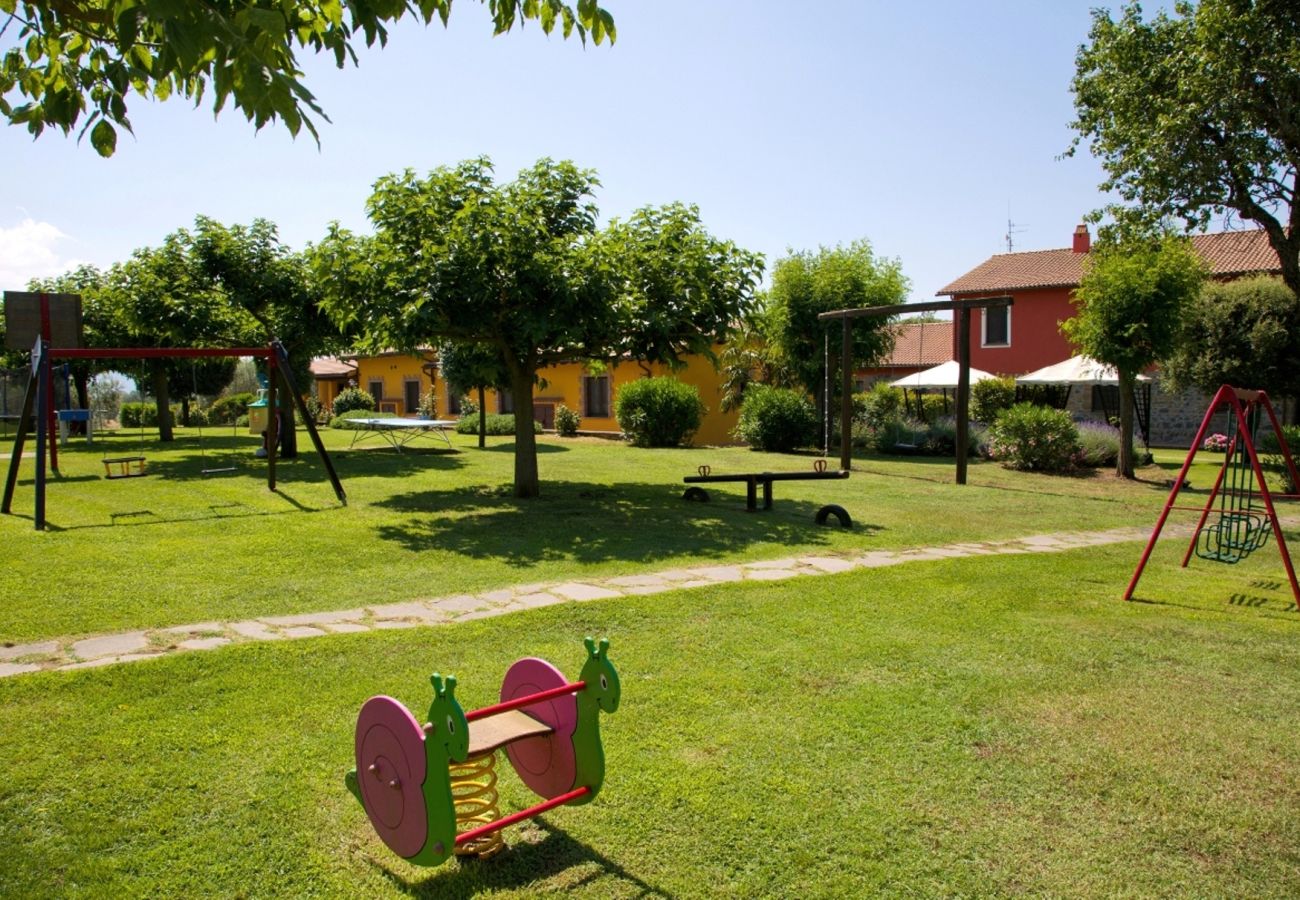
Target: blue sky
{"points": [[918, 126]]}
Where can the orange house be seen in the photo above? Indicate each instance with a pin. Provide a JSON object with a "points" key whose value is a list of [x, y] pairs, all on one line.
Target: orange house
{"points": [[397, 381]]}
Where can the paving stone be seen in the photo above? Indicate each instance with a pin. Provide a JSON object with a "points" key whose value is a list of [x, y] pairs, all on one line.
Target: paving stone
{"points": [[677, 575], [575, 590], [772, 574], [636, 581], [8, 668], [483, 614], [411, 610], [390, 624], [719, 573], [462, 603], [110, 645], [258, 631], [196, 628], [345, 627], [698, 582], [1040, 540], [773, 564], [42, 648], [876, 559], [827, 563], [534, 601], [302, 631], [209, 643], [641, 589], [110, 660], [502, 595], [320, 618]]}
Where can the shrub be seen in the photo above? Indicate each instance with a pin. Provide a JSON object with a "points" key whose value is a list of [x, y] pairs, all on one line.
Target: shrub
{"points": [[1035, 438], [878, 405], [198, 417], [141, 415], [933, 407], [901, 434], [467, 406], [242, 421], [1271, 458], [990, 396], [659, 412], [428, 408], [315, 409], [567, 421], [495, 424], [1098, 445], [352, 398], [225, 410], [776, 419], [1216, 443], [347, 419]]}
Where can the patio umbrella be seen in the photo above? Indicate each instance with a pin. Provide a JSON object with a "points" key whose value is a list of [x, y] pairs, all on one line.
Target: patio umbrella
{"points": [[1075, 370], [940, 376]]}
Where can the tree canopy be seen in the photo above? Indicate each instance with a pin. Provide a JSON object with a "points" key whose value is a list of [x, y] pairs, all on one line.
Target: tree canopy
{"points": [[1198, 114], [1244, 333], [522, 268], [85, 57], [1130, 299]]}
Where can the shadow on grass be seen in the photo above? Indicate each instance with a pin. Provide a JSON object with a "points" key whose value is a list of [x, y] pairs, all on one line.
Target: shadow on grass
{"points": [[1276, 608], [523, 864], [596, 522]]}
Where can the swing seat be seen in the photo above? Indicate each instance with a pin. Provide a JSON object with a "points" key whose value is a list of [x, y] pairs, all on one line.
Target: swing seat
{"points": [[124, 467], [1233, 537]]}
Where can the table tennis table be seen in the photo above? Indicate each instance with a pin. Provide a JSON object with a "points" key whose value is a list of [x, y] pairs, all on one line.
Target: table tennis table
{"points": [[400, 432]]}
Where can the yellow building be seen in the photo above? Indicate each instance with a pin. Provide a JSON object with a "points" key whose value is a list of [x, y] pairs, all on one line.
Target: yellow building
{"points": [[397, 381]]}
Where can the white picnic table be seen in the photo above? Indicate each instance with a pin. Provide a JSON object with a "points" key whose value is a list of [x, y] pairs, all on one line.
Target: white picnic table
{"points": [[400, 432]]}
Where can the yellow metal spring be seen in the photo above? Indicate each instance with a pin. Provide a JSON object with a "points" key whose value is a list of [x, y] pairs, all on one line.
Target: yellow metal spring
{"points": [[474, 791]]}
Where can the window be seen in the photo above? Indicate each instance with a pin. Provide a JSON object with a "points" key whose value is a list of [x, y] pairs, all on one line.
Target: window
{"points": [[411, 395], [595, 396], [996, 327], [505, 401], [376, 388], [453, 402], [1105, 399]]}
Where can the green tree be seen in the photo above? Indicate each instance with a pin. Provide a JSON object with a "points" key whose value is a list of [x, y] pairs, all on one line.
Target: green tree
{"points": [[805, 284], [1194, 114], [1244, 333], [71, 58], [473, 367], [522, 268], [1130, 299], [752, 356]]}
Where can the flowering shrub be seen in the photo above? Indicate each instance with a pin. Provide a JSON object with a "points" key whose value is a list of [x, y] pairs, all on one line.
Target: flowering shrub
{"points": [[1034, 438], [567, 421], [1215, 443], [1098, 445]]}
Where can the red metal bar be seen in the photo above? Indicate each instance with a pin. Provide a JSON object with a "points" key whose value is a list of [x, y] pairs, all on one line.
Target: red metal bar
{"points": [[1178, 486], [527, 700], [528, 813], [1214, 493], [155, 352], [1268, 502], [1281, 441]]}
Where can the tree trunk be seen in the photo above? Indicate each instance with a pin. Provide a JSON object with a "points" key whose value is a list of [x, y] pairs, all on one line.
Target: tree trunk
{"points": [[521, 389], [482, 417], [288, 433], [158, 373], [1124, 465], [185, 411]]}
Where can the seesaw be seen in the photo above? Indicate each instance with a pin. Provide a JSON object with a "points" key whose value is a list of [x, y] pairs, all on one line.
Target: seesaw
{"points": [[430, 790]]}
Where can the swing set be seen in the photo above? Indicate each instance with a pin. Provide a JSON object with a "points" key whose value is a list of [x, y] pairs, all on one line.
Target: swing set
{"points": [[38, 405], [1238, 516]]}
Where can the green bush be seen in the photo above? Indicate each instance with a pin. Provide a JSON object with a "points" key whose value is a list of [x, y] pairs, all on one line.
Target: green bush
{"points": [[315, 409], [990, 396], [496, 424], [567, 421], [350, 399], [900, 434], [1271, 458], [934, 407], [228, 409], [347, 419], [659, 412], [242, 421], [1035, 438], [198, 417], [878, 405], [141, 415], [1098, 445], [776, 419]]}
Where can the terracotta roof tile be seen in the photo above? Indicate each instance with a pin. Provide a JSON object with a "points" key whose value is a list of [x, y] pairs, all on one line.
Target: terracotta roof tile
{"points": [[1227, 252], [327, 366], [922, 344]]}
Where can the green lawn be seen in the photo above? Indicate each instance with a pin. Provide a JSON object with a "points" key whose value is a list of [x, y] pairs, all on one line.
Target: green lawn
{"points": [[991, 725], [177, 548]]}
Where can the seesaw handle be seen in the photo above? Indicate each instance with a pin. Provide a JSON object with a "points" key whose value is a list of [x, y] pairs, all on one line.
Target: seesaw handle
{"points": [[506, 821], [527, 700]]}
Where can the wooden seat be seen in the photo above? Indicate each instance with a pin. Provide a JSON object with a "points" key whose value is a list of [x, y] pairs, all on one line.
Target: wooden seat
{"points": [[127, 467], [493, 732]]}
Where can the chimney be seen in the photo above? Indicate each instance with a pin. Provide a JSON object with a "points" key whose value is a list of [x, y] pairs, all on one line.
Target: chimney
{"points": [[1082, 240]]}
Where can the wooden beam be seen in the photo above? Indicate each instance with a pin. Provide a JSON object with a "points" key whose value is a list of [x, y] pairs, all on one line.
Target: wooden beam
{"points": [[903, 309]]}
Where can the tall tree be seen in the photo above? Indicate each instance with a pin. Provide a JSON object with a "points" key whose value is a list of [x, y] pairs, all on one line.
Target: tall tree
{"points": [[473, 367], [805, 284], [522, 268], [1198, 114], [1244, 333], [1130, 299], [72, 57]]}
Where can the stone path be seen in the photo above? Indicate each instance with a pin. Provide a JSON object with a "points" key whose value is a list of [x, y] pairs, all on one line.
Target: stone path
{"points": [[132, 646]]}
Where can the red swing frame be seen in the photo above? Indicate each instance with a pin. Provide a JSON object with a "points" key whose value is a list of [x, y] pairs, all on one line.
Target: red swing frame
{"points": [[1241, 404]]}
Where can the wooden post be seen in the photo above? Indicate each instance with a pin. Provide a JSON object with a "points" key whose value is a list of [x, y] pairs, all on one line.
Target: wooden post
{"points": [[846, 400], [43, 406], [48, 410], [963, 392], [272, 419]]}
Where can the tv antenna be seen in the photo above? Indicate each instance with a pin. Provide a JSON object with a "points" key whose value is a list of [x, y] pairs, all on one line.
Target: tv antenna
{"points": [[1013, 229]]}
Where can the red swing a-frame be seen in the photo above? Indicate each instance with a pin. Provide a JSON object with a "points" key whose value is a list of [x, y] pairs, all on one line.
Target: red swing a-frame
{"points": [[1245, 515]]}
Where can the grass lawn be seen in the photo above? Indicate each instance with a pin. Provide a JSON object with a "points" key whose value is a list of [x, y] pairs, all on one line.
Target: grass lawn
{"points": [[989, 725], [176, 548]]}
